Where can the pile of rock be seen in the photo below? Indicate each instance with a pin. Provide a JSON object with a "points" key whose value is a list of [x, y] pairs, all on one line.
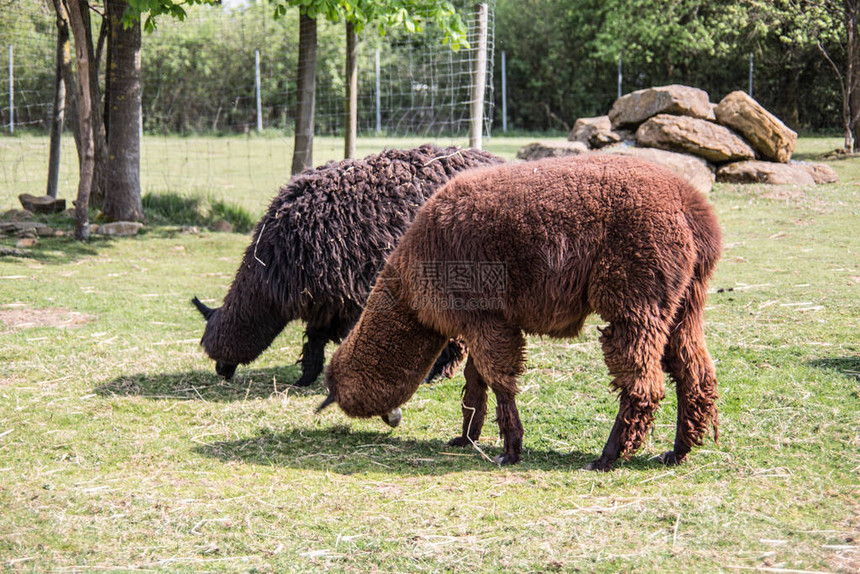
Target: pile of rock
{"points": [[27, 231], [24, 226], [42, 204], [735, 141]]}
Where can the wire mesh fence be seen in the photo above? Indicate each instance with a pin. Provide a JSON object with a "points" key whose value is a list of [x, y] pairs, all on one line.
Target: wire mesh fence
{"points": [[200, 78], [200, 75], [27, 60]]}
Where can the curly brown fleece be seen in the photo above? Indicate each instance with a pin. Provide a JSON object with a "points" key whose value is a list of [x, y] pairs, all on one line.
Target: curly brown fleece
{"points": [[316, 252], [573, 236]]}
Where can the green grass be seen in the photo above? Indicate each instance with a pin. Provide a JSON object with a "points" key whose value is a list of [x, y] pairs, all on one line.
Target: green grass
{"points": [[120, 449], [245, 171]]}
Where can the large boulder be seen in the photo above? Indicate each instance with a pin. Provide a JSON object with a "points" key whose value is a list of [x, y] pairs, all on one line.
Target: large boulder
{"points": [[820, 172], [596, 132], [42, 204], [693, 169], [540, 150], [767, 134], [584, 128], [765, 172], [634, 108], [699, 137]]}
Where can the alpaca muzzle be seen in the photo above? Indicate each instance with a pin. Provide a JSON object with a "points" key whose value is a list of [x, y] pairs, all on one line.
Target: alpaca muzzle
{"points": [[393, 418], [226, 370]]}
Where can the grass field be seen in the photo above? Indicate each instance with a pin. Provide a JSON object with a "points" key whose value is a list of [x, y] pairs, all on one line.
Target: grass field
{"points": [[120, 449], [246, 171]]}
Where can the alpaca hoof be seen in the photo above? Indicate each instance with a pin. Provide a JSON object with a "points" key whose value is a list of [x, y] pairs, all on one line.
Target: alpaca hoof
{"points": [[304, 381], [505, 459], [599, 465], [393, 418], [671, 458], [461, 441]]}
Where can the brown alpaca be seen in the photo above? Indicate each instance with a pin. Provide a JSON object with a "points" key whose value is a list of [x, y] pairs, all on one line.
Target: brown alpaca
{"points": [[536, 248]]}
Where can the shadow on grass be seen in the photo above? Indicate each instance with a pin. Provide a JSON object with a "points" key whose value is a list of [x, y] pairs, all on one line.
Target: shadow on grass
{"points": [[61, 250], [334, 448], [206, 385], [808, 156], [846, 366], [344, 451]]}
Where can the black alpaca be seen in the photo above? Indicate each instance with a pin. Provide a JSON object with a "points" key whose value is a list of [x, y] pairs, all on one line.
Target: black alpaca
{"points": [[317, 251]]}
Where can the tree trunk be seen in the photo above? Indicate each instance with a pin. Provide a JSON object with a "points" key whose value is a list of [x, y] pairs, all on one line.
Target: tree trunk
{"points": [[85, 114], [351, 123], [99, 141], [852, 75], [109, 74], [63, 59], [72, 120], [790, 88], [303, 152], [122, 197], [106, 31]]}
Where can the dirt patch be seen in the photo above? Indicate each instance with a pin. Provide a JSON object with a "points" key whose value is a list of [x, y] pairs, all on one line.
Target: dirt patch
{"points": [[22, 317]]}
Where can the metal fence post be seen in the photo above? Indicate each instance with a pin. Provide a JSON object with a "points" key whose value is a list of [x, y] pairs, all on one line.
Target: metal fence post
{"points": [[620, 76], [11, 91], [751, 75], [479, 83], [259, 96], [504, 96], [140, 119], [378, 98]]}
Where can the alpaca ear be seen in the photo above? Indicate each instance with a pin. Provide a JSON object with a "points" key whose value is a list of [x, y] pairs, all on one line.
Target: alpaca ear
{"points": [[328, 400], [204, 310]]}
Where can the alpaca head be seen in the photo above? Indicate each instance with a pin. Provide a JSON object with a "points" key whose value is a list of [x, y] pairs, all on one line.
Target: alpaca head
{"points": [[382, 361], [391, 417], [225, 369]]}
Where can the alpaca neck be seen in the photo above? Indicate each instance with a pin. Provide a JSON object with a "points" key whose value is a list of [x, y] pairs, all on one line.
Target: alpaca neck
{"points": [[384, 358], [245, 325], [401, 343]]}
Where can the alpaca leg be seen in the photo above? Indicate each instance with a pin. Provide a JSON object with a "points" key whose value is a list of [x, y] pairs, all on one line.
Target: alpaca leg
{"points": [[474, 406], [632, 352], [313, 357], [510, 427], [688, 363], [497, 352], [447, 362]]}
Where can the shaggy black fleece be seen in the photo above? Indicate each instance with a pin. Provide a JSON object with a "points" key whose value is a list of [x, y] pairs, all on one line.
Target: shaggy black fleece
{"points": [[317, 251]]}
